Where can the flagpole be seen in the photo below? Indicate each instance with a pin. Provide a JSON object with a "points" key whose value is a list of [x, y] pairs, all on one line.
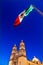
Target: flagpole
{"points": [[40, 12]]}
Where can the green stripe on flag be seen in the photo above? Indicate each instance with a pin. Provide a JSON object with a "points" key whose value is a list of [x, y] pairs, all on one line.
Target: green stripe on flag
{"points": [[29, 10]]}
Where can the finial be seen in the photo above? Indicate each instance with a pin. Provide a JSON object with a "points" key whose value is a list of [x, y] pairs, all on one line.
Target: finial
{"points": [[21, 40], [14, 46], [34, 57]]}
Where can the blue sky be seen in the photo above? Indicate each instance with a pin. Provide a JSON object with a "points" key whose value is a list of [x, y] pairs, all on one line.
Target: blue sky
{"points": [[30, 30]]}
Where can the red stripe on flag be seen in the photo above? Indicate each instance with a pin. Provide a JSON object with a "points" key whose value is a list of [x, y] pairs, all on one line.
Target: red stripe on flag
{"points": [[17, 21]]}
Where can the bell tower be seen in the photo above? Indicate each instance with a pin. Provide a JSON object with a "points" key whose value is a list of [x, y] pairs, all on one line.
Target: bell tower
{"points": [[22, 60], [13, 57], [22, 51]]}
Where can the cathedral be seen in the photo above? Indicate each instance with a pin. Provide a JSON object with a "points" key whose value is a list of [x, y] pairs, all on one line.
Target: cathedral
{"points": [[19, 57]]}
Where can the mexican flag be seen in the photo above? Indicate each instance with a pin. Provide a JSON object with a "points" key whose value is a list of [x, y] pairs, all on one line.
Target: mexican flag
{"points": [[22, 15]]}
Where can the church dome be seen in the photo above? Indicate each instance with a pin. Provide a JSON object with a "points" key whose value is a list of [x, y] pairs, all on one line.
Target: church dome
{"points": [[35, 59]]}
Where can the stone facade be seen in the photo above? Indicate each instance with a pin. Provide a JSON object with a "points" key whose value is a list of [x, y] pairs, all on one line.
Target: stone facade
{"points": [[19, 57]]}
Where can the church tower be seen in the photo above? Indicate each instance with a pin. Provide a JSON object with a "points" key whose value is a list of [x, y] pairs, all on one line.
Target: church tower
{"points": [[13, 57], [22, 60], [22, 51]]}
